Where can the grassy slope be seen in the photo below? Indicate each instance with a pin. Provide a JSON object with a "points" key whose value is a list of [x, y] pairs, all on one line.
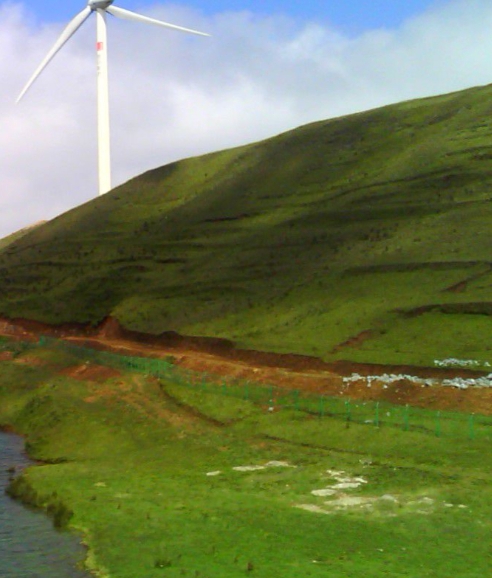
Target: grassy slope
{"points": [[17, 235], [130, 461], [297, 243]]}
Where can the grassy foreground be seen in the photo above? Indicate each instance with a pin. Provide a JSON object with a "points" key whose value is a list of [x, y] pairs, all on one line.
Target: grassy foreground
{"points": [[126, 463]]}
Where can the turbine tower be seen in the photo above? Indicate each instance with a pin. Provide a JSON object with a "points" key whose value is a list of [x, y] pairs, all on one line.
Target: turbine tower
{"points": [[100, 7]]}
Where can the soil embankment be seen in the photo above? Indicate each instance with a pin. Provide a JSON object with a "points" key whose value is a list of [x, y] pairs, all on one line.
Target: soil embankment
{"points": [[219, 357]]}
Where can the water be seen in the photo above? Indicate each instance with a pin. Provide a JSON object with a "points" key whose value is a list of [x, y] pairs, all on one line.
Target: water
{"points": [[30, 547]]}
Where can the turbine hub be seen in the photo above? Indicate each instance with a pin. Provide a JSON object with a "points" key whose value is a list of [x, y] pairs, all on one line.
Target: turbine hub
{"points": [[99, 4]]}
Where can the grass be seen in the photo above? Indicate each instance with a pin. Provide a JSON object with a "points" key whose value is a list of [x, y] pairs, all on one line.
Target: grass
{"points": [[126, 464], [451, 332], [295, 244], [190, 387]]}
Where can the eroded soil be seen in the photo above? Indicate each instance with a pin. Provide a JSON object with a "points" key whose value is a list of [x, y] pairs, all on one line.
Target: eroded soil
{"points": [[218, 357]]}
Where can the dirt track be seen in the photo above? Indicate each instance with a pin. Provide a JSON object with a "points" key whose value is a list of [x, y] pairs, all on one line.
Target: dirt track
{"points": [[221, 358]]}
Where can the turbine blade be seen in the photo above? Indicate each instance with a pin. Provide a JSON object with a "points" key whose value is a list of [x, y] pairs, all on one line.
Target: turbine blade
{"points": [[67, 33], [128, 15]]}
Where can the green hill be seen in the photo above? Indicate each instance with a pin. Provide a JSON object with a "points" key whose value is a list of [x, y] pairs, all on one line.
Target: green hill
{"points": [[18, 234], [366, 237]]}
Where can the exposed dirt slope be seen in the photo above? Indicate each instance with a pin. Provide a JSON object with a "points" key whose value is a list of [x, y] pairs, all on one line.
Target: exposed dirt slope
{"points": [[221, 358]]}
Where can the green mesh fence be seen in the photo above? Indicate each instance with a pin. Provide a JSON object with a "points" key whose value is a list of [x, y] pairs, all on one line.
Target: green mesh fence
{"points": [[157, 367], [377, 414]]}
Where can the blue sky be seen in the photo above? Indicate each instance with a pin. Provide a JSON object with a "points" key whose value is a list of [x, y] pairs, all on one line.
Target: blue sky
{"points": [[173, 95], [351, 16]]}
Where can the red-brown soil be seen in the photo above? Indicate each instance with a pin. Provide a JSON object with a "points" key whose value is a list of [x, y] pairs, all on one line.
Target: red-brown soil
{"points": [[90, 372], [220, 358], [355, 341]]}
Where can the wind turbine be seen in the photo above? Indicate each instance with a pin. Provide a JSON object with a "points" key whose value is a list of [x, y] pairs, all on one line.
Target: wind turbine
{"points": [[100, 7]]}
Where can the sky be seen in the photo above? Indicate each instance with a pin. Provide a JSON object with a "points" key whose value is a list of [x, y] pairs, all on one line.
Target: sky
{"points": [[268, 67], [351, 16]]}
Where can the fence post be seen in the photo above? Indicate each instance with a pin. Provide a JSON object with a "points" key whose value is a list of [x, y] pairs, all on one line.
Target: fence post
{"points": [[471, 429], [405, 419], [438, 424], [348, 413]]}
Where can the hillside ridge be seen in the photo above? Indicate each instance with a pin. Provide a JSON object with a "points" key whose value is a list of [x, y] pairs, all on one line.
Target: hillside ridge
{"points": [[296, 244]]}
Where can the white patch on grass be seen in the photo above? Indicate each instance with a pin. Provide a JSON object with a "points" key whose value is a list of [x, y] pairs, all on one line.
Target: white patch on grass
{"points": [[358, 503], [312, 508], [345, 502], [336, 473], [346, 486], [386, 379], [385, 505], [324, 492], [271, 464], [211, 474], [342, 476], [389, 498], [344, 481], [466, 363]]}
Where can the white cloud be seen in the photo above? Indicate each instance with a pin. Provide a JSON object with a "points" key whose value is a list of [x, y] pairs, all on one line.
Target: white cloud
{"points": [[173, 95]]}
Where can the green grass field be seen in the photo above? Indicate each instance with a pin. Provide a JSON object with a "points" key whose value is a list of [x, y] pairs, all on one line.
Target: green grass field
{"points": [[295, 244], [145, 471]]}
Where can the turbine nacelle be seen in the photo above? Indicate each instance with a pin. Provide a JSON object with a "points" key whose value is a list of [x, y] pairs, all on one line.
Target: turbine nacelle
{"points": [[99, 4]]}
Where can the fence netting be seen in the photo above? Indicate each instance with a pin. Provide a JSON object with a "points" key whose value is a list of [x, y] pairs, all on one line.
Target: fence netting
{"points": [[273, 398]]}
